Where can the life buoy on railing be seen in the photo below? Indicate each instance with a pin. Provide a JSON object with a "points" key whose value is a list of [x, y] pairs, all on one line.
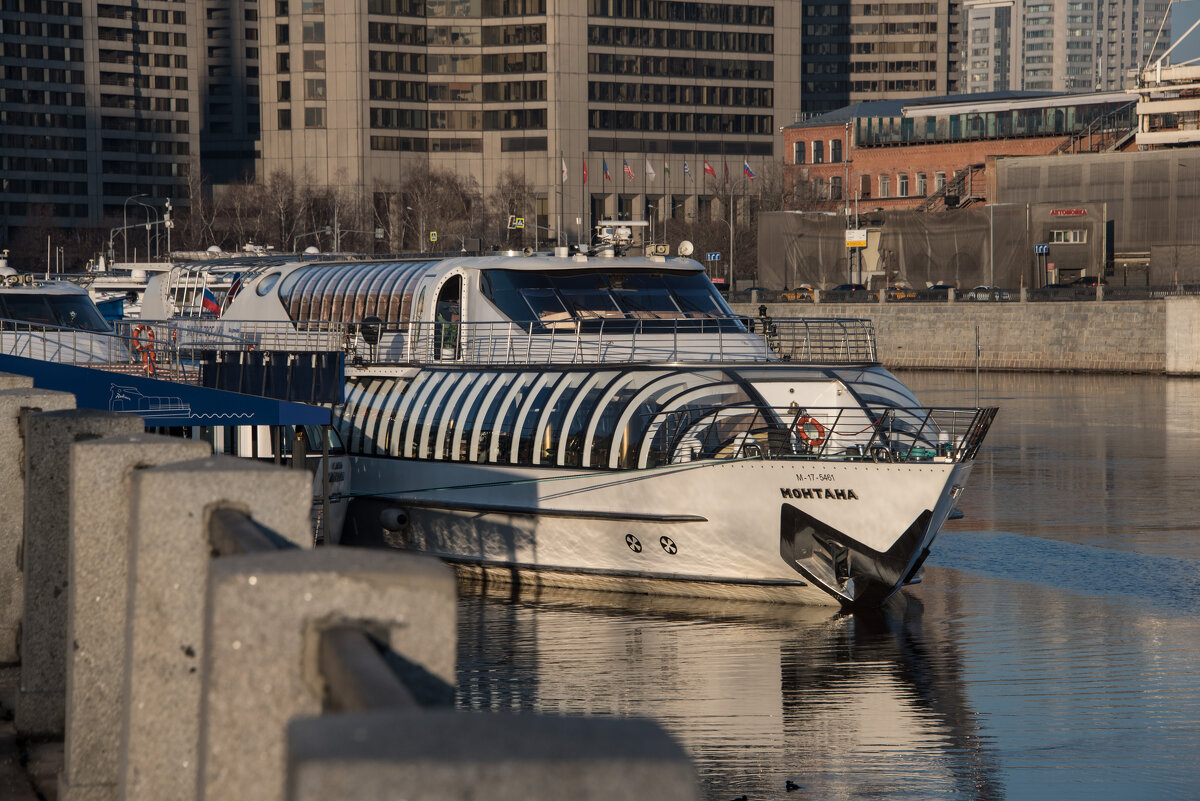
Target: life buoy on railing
{"points": [[815, 439], [143, 343]]}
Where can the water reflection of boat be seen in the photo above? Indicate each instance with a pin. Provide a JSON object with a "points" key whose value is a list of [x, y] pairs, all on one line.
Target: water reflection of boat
{"points": [[758, 694]]}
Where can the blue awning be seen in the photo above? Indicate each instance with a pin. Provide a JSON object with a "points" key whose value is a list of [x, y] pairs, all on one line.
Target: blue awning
{"points": [[162, 403]]}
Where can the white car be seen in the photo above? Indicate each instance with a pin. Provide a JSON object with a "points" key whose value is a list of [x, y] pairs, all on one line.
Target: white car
{"points": [[987, 293]]}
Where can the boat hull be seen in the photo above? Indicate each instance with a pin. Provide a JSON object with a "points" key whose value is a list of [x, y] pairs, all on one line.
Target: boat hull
{"points": [[831, 532]]}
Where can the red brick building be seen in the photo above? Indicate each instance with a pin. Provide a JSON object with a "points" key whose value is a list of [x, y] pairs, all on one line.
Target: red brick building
{"points": [[935, 153]]}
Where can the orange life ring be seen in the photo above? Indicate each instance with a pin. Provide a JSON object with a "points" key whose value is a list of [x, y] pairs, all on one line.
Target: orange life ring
{"points": [[144, 346], [814, 440]]}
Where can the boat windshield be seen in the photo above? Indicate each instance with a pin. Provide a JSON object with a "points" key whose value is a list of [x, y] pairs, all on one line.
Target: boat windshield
{"points": [[67, 311], [592, 298]]}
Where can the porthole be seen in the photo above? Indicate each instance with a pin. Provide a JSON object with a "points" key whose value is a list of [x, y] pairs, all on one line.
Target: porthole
{"points": [[266, 284]]}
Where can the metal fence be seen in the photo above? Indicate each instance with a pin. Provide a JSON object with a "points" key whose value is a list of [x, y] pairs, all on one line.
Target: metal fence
{"points": [[1053, 293]]}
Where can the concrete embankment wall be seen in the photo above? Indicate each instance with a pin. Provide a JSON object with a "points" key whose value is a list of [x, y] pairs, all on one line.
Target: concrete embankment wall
{"points": [[1144, 336]]}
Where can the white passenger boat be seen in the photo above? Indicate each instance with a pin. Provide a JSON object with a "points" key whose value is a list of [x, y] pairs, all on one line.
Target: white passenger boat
{"points": [[597, 419]]}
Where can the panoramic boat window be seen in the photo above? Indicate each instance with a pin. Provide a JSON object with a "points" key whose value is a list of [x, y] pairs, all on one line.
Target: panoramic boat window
{"points": [[611, 300], [67, 311]]}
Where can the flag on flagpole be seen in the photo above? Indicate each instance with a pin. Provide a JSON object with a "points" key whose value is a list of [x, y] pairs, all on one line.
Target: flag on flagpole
{"points": [[708, 169], [687, 173], [208, 302], [604, 165], [564, 170], [235, 286], [727, 170], [585, 171], [666, 170], [650, 173], [749, 173], [627, 169]]}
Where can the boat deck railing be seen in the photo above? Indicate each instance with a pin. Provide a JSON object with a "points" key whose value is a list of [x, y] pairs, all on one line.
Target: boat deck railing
{"points": [[873, 433], [169, 347], [615, 340]]}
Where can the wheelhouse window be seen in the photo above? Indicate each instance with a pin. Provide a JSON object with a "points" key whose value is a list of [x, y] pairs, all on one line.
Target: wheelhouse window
{"points": [[594, 300], [66, 311]]}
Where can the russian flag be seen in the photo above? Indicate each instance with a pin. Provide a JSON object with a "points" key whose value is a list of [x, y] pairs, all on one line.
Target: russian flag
{"points": [[749, 173], [209, 302], [235, 286]]}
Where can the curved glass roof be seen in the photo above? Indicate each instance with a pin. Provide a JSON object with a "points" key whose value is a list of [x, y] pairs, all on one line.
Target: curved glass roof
{"points": [[347, 293]]}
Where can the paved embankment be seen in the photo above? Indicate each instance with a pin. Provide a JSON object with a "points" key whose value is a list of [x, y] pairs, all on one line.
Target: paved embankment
{"points": [[1143, 336]]}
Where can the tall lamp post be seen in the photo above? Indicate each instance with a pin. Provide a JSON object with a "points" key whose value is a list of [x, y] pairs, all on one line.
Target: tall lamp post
{"points": [[149, 209], [729, 222], [125, 221]]}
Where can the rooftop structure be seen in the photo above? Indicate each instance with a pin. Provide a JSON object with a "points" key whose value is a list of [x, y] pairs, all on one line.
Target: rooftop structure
{"points": [[900, 154]]}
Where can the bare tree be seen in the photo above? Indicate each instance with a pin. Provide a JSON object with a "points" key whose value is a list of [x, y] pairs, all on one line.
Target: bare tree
{"points": [[437, 202], [512, 197]]}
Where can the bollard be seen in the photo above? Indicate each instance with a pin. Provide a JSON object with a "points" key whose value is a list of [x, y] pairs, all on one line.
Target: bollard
{"points": [[49, 437], [266, 615], [460, 756], [13, 403], [97, 599], [10, 381], [160, 745], [42, 699]]}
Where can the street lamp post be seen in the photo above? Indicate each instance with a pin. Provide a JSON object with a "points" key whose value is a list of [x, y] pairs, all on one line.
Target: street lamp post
{"points": [[125, 221], [729, 222], [149, 209]]}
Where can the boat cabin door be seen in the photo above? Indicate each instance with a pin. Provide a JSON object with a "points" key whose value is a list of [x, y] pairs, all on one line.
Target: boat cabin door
{"points": [[448, 319]]}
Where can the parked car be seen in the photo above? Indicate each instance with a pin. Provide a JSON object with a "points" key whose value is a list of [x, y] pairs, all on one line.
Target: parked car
{"points": [[987, 293], [763, 293], [849, 288], [898, 292], [1089, 280], [802, 293], [937, 291]]}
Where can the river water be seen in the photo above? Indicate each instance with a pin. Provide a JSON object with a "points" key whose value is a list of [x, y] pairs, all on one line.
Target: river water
{"points": [[1052, 652]]}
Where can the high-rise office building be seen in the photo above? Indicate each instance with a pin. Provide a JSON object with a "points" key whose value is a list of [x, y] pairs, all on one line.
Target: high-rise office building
{"points": [[359, 93], [1060, 45], [108, 109], [854, 52]]}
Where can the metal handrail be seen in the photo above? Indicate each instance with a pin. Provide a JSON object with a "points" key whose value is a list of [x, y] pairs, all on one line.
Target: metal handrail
{"points": [[174, 344], [872, 433]]}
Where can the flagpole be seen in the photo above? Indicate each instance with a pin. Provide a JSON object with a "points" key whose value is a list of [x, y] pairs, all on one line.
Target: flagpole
{"points": [[585, 220], [562, 191]]}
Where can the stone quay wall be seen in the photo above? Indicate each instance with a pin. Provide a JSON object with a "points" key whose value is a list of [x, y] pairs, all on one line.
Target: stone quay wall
{"points": [[178, 636], [1143, 336]]}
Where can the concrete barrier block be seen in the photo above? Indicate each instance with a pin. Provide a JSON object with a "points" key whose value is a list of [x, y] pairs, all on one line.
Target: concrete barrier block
{"points": [[1182, 324], [41, 701], [265, 612], [13, 403], [160, 747], [97, 600], [457, 756], [10, 381]]}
